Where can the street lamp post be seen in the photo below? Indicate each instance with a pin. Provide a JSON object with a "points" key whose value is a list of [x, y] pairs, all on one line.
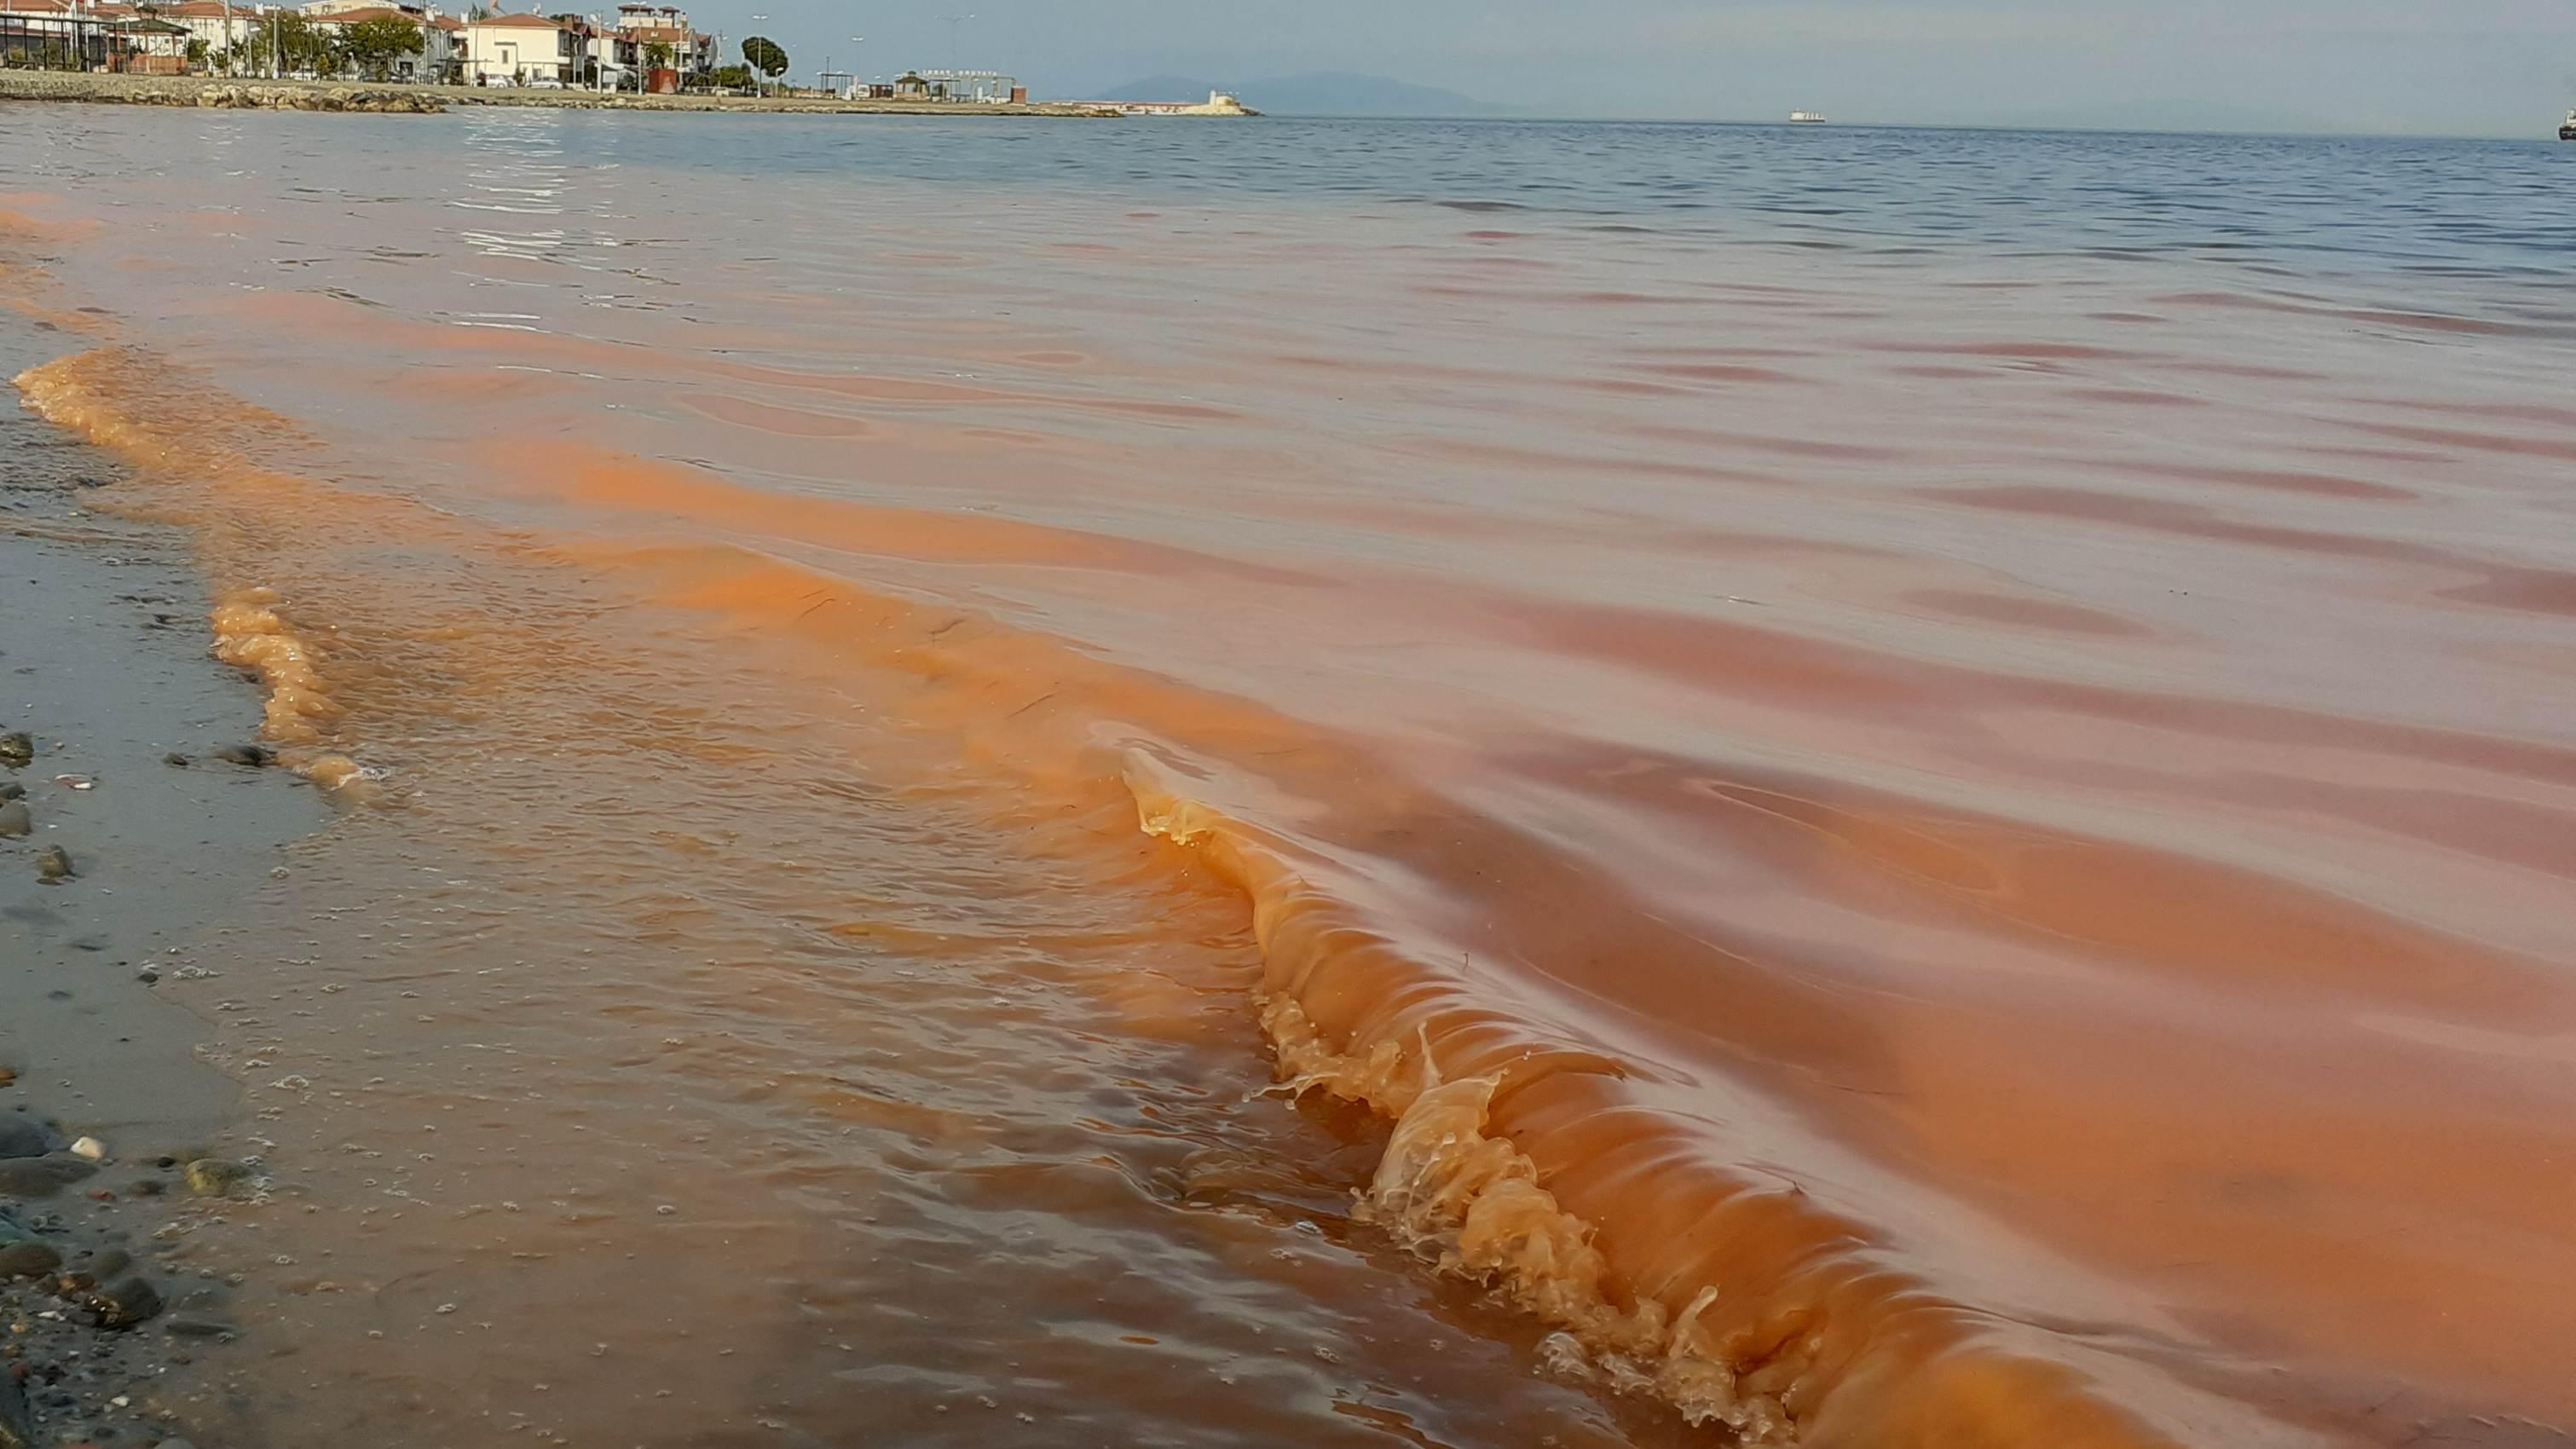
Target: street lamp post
{"points": [[757, 84], [827, 62]]}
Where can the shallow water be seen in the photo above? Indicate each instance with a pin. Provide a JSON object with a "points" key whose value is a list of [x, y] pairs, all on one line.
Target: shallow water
{"points": [[1882, 787]]}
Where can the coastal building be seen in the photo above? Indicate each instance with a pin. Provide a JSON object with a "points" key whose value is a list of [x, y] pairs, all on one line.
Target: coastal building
{"points": [[649, 25], [73, 35], [443, 49], [147, 45], [51, 35], [1218, 103], [963, 87], [437, 60], [525, 49], [616, 59], [219, 27]]}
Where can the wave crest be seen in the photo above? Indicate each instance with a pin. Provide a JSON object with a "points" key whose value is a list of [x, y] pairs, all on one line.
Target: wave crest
{"points": [[1764, 1313]]}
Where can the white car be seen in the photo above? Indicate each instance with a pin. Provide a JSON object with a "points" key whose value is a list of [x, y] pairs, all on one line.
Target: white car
{"points": [[546, 83]]}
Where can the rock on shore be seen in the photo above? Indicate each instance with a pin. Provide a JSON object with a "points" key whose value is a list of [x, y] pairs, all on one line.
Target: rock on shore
{"points": [[37, 85], [46, 85]]}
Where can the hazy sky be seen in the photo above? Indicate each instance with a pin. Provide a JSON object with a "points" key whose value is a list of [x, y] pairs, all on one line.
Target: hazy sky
{"points": [[2451, 66]]}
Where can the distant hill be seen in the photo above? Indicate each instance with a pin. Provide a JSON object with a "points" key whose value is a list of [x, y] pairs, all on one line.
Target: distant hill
{"points": [[1322, 93]]}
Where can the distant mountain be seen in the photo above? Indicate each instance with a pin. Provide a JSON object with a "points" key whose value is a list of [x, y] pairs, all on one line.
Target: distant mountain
{"points": [[1321, 93]]}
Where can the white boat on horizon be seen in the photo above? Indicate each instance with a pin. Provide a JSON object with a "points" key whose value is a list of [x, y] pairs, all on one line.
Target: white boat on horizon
{"points": [[2567, 128], [1806, 118]]}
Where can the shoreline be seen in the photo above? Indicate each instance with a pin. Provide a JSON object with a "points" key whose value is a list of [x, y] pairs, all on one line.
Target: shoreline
{"points": [[105, 1101], [295, 95]]}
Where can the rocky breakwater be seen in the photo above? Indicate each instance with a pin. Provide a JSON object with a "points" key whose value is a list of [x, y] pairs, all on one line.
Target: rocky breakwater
{"points": [[36, 85]]}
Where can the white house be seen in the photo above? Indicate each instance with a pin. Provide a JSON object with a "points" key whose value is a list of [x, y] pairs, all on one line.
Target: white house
{"points": [[616, 57], [218, 25], [691, 52], [502, 50]]}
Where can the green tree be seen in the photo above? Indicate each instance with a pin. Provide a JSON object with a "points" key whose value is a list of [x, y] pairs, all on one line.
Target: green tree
{"points": [[375, 45], [197, 53], [295, 43], [657, 54], [249, 54], [733, 77], [765, 56]]}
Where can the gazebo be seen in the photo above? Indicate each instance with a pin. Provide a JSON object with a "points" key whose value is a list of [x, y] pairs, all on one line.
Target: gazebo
{"points": [[40, 40]]}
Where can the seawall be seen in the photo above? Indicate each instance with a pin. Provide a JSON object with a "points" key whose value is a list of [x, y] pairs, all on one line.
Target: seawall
{"points": [[37, 85], [137, 90]]}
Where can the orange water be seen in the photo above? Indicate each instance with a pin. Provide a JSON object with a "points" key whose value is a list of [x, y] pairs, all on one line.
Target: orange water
{"points": [[1963, 853]]}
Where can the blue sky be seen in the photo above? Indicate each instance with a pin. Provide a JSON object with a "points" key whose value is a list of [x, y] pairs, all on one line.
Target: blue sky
{"points": [[2437, 66]]}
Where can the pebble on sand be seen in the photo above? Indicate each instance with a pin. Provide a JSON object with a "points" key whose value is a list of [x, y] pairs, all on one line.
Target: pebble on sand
{"points": [[124, 1303], [21, 1254], [191, 1325], [28, 1259], [17, 749], [23, 1136], [254, 756], [53, 863], [41, 1176], [15, 822], [17, 1423], [216, 1177]]}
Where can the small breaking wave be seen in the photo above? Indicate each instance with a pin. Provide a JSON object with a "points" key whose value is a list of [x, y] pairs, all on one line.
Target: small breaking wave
{"points": [[1767, 1314], [126, 402]]}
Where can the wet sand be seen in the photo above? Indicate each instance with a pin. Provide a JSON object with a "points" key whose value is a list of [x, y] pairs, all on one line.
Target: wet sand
{"points": [[103, 654]]}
